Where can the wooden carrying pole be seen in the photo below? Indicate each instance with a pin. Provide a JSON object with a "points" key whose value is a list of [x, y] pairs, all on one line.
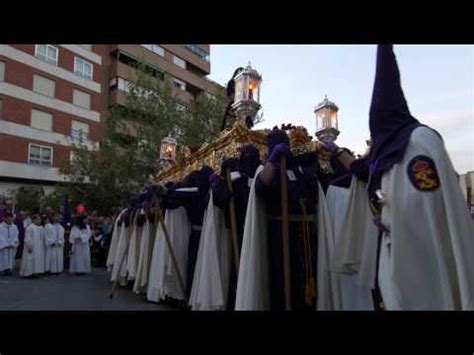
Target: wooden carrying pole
{"points": [[170, 247], [233, 222], [285, 232], [114, 286]]}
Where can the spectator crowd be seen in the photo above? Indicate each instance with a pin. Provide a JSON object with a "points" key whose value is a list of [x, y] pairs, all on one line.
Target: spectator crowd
{"points": [[38, 244]]}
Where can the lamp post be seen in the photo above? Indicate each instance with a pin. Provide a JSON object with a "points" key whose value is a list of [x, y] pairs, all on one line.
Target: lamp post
{"points": [[326, 121], [247, 94], [168, 151]]}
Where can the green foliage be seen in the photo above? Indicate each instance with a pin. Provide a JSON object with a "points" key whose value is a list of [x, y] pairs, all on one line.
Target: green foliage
{"points": [[28, 198], [105, 179]]}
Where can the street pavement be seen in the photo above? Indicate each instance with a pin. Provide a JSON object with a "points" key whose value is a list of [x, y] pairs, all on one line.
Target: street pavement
{"points": [[69, 292]]}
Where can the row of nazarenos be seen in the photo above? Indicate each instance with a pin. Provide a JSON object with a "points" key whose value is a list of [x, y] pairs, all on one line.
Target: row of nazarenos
{"points": [[389, 230]]}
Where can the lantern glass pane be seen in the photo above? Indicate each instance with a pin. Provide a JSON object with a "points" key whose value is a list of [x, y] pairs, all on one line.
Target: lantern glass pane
{"points": [[239, 90]]}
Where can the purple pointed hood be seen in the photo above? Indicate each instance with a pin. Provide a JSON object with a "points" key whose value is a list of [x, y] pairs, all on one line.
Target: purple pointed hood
{"points": [[391, 123]]}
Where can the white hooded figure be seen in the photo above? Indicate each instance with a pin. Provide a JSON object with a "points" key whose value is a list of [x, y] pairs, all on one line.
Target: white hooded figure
{"points": [[426, 233], [8, 243], [33, 257], [81, 255], [54, 239]]}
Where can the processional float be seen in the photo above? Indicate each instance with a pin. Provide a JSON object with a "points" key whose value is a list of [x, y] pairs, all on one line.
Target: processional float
{"points": [[244, 104]]}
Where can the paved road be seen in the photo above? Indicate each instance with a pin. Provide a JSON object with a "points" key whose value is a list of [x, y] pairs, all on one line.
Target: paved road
{"points": [[69, 292]]}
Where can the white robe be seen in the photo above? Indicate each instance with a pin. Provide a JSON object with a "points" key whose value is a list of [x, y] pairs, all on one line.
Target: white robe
{"points": [[120, 260], [133, 253], [156, 278], [49, 238], [8, 244], [114, 242], [81, 255], [4, 250], [146, 251], [211, 276], [253, 284], [353, 294], [328, 293], [54, 234], [427, 259], [33, 258], [164, 281]]}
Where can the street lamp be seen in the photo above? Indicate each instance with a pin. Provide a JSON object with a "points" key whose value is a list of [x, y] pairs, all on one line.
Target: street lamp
{"points": [[168, 150], [247, 94], [326, 121]]}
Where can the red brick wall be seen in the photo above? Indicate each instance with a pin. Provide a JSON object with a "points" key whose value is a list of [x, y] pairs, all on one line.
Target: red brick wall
{"points": [[19, 111], [19, 74], [65, 59]]}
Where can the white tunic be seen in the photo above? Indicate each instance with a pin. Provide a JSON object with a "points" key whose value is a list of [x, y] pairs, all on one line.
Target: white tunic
{"points": [[426, 261], [81, 255], [9, 240], [144, 261], [133, 252], [54, 238], [114, 242], [33, 258], [155, 288], [328, 293], [164, 280], [354, 295], [253, 284], [211, 275], [120, 260]]}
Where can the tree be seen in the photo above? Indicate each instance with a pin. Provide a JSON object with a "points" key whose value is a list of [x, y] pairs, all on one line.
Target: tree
{"points": [[28, 198], [106, 178]]}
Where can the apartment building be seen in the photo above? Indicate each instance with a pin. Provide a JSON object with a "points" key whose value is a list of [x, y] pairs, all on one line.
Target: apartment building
{"points": [[55, 96]]}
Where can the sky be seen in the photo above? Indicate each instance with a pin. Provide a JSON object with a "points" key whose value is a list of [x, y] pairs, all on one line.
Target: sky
{"points": [[438, 82]]}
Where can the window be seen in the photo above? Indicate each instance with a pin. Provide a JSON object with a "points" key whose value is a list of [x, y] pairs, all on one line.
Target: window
{"points": [[47, 53], [179, 62], [87, 47], [43, 85], [81, 99], [2, 71], [82, 68], [80, 131], [155, 49], [1, 109], [179, 84], [201, 53], [40, 155], [72, 156], [41, 120]]}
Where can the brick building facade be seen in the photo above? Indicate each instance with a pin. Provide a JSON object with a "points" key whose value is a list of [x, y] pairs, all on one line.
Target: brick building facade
{"points": [[55, 96]]}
